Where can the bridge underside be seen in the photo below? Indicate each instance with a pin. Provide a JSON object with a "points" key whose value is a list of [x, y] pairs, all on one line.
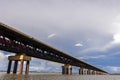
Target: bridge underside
{"points": [[17, 42]]}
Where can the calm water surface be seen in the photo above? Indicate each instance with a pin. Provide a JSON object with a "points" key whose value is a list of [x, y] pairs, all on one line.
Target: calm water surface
{"points": [[56, 76]]}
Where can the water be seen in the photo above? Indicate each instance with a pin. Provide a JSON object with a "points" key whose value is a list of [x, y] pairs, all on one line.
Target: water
{"points": [[56, 76]]}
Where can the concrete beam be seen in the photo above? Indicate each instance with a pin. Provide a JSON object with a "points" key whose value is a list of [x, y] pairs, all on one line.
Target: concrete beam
{"points": [[19, 57]]}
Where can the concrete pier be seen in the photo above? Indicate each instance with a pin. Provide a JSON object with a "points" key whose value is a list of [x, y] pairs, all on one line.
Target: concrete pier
{"points": [[21, 58], [83, 71], [88, 71], [67, 69], [91, 72], [94, 72], [9, 66], [15, 67]]}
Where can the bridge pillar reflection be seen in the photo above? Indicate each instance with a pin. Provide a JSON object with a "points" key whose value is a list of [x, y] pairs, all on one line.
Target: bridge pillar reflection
{"points": [[16, 58], [67, 69]]}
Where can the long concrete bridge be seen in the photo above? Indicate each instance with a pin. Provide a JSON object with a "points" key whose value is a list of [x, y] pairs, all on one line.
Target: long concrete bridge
{"points": [[25, 47]]}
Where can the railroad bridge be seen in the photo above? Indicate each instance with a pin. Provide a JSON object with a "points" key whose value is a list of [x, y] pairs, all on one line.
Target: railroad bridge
{"points": [[25, 47]]}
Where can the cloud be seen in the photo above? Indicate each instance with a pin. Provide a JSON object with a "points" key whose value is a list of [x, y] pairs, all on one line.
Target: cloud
{"points": [[2, 55], [39, 68], [79, 45], [112, 69], [51, 35], [93, 57], [43, 65], [110, 47], [3, 61], [116, 39], [60, 19]]}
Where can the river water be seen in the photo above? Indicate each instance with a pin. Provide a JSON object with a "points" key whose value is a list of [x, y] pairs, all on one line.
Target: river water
{"points": [[56, 76]]}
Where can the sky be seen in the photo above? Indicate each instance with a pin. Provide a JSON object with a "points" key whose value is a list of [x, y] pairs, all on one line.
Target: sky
{"points": [[86, 29]]}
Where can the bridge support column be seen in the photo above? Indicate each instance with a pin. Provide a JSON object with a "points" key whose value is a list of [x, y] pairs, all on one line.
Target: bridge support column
{"points": [[27, 67], [80, 72], [83, 71], [21, 58], [67, 69], [9, 66], [21, 67], [97, 72], [91, 72], [94, 72], [102, 73], [105, 73], [88, 72], [15, 67]]}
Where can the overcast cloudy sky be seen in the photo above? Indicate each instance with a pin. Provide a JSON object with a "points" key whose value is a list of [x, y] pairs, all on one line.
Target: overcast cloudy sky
{"points": [[86, 29]]}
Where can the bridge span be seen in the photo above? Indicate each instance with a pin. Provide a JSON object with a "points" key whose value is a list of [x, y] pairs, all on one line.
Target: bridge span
{"points": [[25, 47]]}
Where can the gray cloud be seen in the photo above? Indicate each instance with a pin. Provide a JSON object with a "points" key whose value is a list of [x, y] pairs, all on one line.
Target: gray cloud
{"points": [[41, 18]]}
